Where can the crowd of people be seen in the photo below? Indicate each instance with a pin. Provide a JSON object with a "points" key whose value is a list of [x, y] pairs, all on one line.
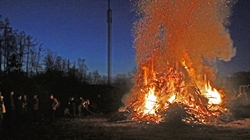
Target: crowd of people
{"points": [[77, 107], [22, 109]]}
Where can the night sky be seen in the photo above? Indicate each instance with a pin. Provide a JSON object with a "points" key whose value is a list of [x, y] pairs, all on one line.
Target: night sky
{"points": [[240, 34], [78, 28]]}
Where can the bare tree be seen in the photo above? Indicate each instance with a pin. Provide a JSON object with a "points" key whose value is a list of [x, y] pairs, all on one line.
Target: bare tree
{"points": [[31, 44], [40, 49], [89, 78], [103, 80], [7, 33], [96, 76], [65, 65], [49, 61], [22, 43], [82, 69], [12, 59]]}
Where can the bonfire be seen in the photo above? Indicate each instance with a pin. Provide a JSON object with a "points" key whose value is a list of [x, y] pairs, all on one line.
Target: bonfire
{"points": [[177, 45], [158, 91]]}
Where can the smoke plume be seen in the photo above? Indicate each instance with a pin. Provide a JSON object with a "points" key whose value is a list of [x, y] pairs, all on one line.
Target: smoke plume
{"points": [[177, 32]]}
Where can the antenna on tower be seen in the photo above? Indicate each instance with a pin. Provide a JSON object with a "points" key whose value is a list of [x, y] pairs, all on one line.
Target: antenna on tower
{"points": [[109, 20]]}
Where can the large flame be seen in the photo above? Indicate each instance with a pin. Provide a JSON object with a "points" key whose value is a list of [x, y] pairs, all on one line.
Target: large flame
{"points": [[177, 44], [150, 102], [171, 99], [212, 94]]}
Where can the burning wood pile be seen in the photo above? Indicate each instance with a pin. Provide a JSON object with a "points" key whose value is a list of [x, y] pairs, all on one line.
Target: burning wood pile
{"points": [[156, 92], [177, 44]]}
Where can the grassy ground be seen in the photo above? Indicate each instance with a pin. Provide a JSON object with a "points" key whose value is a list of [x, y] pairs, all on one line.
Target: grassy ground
{"points": [[94, 127]]}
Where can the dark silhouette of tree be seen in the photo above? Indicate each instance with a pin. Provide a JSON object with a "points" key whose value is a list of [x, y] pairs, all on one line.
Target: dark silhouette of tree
{"points": [[8, 39], [82, 69], [33, 58], [103, 80], [89, 78], [40, 49], [124, 82], [96, 76], [31, 44], [49, 61], [21, 40], [15, 47], [72, 71], [58, 63], [65, 65]]}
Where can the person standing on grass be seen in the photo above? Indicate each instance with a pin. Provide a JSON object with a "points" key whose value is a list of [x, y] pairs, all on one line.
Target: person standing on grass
{"points": [[2, 109], [25, 108], [86, 104], [72, 107], [35, 109], [80, 105], [19, 107], [54, 105], [12, 107]]}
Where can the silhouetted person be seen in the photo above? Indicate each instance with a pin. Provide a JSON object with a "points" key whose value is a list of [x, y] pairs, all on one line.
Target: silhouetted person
{"points": [[80, 105], [86, 104], [25, 108], [54, 105], [35, 109], [12, 108], [2, 109], [66, 112], [19, 106], [72, 107]]}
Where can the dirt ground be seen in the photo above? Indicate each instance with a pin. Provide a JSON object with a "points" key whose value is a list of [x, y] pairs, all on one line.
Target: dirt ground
{"points": [[93, 127]]}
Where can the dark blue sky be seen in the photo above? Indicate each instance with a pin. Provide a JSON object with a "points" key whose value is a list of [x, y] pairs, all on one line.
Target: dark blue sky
{"points": [[78, 28], [240, 34]]}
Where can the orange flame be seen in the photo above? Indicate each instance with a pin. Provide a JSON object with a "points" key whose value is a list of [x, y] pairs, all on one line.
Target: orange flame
{"points": [[171, 99], [202, 103], [177, 43], [212, 95], [150, 100]]}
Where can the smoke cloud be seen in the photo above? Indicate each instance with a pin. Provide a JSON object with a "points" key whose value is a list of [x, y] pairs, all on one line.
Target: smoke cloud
{"points": [[177, 31]]}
